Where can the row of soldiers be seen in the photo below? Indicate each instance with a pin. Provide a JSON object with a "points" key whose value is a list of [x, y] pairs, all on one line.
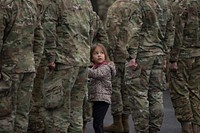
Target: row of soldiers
{"points": [[161, 40], [44, 53], [140, 35], [47, 38]]}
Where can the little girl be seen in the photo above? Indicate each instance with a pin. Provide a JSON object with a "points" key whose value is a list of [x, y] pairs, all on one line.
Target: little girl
{"points": [[101, 87]]}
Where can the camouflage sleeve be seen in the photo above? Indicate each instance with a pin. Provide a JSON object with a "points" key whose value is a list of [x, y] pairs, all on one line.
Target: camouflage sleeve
{"points": [[103, 6], [170, 32], [136, 23], [179, 23], [3, 19], [2, 27], [50, 25], [99, 32], [38, 47], [112, 26]]}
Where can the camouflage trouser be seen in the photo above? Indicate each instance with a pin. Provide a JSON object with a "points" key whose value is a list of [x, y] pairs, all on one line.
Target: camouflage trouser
{"points": [[103, 6], [120, 102], [87, 109], [15, 90], [24, 95], [146, 94], [9, 84], [185, 90], [87, 106], [36, 123], [63, 93]]}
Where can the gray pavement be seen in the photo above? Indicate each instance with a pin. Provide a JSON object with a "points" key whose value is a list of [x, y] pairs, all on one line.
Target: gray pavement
{"points": [[170, 124]]}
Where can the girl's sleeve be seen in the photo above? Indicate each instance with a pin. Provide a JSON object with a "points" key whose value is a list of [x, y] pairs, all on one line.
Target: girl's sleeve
{"points": [[100, 72]]}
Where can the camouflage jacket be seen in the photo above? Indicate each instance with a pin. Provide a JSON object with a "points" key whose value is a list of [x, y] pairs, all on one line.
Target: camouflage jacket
{"points": [[123, 26], [167, 25], [103, 6], [187, 33], [97, 32], [71, 28], [21, 35], [152, 35], [50, 22]]}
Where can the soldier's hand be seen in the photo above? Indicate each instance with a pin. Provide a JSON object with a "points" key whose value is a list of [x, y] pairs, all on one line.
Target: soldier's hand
{"points": [[132, 64], [51, 66], [173, 66]]}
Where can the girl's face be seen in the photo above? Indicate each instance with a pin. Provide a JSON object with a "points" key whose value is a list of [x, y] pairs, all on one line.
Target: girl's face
{"points": [[98, 55]]}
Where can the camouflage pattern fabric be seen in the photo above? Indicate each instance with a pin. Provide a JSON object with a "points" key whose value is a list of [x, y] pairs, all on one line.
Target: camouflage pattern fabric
{"points": [[36, 122], [121, 25], [22, 42], [49, 17], [65, 86], [146, 82], [146, 94], [120, 101], [63, 100], [103, 6], [184, 83], [168, 28], [23, 102]]}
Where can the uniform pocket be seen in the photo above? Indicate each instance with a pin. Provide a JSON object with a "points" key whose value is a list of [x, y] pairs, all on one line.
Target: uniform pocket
{"points": [[5, 95]]}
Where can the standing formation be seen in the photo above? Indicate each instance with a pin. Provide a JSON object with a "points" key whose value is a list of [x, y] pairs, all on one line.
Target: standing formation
{"points": [[184, 65]]}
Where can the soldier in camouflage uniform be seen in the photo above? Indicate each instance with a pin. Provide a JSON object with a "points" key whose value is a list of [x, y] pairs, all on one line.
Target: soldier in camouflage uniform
{"points": [[21, 46], [123, 20], [68, 58], [185, 65], [48, 19], [146, 80]]}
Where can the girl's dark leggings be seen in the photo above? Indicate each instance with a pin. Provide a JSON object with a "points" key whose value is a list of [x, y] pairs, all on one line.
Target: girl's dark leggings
{"points": [[99, 111]]}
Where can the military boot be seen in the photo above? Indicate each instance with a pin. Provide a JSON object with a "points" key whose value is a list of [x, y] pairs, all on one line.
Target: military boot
{"points": [[116, 127], [186, 127], [195, 128], [125, 123]]}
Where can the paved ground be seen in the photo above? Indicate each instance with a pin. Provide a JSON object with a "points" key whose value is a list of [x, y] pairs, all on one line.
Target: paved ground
{"points": [[170, 124]]}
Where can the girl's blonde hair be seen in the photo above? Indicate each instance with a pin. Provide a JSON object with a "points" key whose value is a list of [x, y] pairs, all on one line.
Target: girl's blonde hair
{"points": [[93, 47]]}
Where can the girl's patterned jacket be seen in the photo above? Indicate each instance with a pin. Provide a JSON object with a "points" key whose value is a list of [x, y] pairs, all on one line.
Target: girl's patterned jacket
{"points": [[101, 81]]}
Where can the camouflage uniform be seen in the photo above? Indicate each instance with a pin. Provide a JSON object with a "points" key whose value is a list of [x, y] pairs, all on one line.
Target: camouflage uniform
{"points": [[65, 85], [21, 50], [49, 16], [167, 28], [185, 81], [146, 82], [123, 18], [102, 8]]}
